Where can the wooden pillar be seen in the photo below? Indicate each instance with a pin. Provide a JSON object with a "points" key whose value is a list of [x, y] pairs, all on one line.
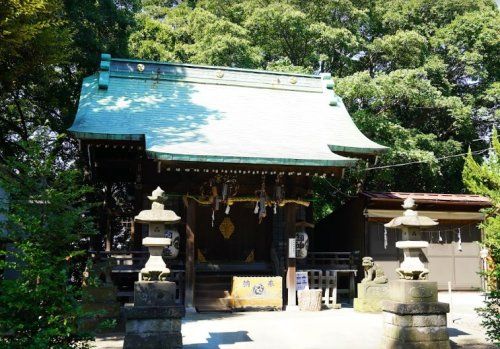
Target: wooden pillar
{"points": [[190, 256], [290, 212], [108, 238], [137, 230]]}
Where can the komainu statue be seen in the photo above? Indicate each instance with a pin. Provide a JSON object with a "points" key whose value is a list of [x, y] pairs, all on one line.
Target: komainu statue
{"points": [[373, 273]]}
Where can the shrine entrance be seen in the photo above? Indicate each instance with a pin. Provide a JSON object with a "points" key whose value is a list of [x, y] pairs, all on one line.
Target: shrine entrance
{"points": [[227, 245], [232, 238]]}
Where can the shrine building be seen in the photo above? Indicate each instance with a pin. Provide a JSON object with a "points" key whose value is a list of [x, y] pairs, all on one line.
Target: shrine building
{"points": [[235, 150]]}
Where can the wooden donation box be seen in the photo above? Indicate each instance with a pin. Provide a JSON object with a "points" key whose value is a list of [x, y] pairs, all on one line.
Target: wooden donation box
{"points": [[256, 292]]}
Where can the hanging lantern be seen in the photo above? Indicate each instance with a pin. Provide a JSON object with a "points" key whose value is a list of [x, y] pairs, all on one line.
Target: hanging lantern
{"points": [[301, 244], [172, 251], [302, 239]]}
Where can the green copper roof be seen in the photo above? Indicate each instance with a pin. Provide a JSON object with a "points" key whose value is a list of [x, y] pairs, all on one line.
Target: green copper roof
{"points": [[212, 114]]}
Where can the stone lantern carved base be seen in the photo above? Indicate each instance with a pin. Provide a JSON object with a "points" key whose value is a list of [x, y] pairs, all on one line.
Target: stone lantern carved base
{"points": [[413, 318], [153, 321]]}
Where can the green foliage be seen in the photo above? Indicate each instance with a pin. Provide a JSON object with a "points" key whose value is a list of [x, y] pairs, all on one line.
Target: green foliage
{"points": [[282, 30], [489, 312], [46, 220], [46, 46], [404, 110], [484, 179], [33, 39], [405, 49]]}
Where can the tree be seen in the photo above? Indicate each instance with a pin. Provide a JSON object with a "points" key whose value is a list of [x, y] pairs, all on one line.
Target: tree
{"points": [[183, 34], [47, 219], [33, 40], [46, 46], [484, 179]]}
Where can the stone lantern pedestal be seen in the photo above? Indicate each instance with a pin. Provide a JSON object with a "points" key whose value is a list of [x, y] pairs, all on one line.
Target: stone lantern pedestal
{"points": [[413, 317], [154, 320]]}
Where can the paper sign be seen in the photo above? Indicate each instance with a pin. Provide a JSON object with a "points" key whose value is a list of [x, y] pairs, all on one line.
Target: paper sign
{"points": [[302, 281]]}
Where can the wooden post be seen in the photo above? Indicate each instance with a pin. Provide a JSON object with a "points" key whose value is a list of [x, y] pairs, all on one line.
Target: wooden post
{"points": [[136, 231], [107, 211], [137, 237], [190, 256], [290, 212]]}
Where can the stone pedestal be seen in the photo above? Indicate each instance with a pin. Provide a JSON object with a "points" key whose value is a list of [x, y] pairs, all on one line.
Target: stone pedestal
{"points": [[413, 291], [370, 297], [413, 318], [153, 321]]}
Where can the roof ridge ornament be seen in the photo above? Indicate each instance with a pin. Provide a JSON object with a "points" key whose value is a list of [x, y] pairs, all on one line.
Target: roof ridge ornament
{"points": [[328, 85], [104, 68]]}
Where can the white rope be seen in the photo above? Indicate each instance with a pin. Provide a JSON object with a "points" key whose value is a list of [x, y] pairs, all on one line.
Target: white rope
{"points": [[425, 161]]}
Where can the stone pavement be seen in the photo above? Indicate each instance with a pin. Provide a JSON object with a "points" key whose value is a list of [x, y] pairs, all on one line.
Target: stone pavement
{"points": [[341, 328]]}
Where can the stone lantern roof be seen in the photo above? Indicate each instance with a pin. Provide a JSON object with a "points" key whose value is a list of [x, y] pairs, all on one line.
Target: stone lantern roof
{"points": [[157, 214], [410, 218]]}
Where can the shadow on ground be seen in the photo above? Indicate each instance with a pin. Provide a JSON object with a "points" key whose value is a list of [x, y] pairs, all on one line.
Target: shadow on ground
{"points": [[216, 339], [210, 316]]}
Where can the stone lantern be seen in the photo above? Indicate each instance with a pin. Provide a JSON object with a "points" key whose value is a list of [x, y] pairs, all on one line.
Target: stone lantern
{"points": [[412, 267], [154, 320], [413, 317], [156, 218]]}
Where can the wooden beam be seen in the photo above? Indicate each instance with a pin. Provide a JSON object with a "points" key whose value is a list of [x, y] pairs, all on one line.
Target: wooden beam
{"points": [[190, 256], [440, 215], [290, 213]]}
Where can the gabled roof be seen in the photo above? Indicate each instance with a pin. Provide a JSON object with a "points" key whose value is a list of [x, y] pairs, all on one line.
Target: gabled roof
{"points": [[462, 199], [196, 113]]}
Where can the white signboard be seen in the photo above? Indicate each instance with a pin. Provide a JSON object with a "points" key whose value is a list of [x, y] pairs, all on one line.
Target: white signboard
{"points": [[302, 281], [291, 248]]}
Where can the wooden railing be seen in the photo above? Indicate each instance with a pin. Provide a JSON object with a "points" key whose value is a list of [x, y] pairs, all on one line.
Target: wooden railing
{"points": [[333, 260], [124, 263]]}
